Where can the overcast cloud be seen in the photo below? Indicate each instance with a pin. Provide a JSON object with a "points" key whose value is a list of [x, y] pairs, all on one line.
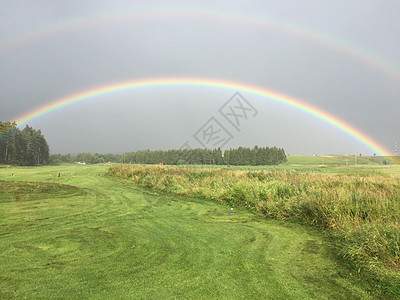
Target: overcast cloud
{"points": [[340, 56]]}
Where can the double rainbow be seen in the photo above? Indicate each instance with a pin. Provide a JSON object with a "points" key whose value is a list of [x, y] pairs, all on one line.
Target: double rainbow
{"points": [[154, 82], [356, 52]]}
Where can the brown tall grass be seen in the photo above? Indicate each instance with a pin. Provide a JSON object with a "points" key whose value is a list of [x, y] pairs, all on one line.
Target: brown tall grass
{"points": [[364, 211]]}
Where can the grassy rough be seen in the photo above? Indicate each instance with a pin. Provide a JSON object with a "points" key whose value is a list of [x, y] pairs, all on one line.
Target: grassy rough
{"points": [[363, 210], [29, 191], [115, 241]]}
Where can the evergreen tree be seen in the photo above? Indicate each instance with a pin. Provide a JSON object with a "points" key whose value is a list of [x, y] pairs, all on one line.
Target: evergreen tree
{"points": [[26, 147]]}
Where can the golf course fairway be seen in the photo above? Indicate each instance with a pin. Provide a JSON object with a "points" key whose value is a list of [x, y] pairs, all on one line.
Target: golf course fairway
{"points": [[88, 235]]}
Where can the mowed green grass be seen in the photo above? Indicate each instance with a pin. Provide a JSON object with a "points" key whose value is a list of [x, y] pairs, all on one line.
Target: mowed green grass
{"points": [[108, 239]]}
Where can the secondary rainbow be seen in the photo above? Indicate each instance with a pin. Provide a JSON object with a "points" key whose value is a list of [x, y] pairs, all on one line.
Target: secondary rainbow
{"points": [[347, 48], [154, 82]]}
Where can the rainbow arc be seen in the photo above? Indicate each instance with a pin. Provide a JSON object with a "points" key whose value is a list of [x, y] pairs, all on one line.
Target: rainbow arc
{"points": [[205, 82]]}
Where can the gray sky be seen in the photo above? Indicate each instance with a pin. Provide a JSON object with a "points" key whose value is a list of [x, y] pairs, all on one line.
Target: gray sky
{"points": [[342, 57]]}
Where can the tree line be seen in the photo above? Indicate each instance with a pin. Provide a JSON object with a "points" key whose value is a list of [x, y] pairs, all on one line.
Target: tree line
{"points": [[239, 156], [26, 147], [29, 147], [86, 157]]}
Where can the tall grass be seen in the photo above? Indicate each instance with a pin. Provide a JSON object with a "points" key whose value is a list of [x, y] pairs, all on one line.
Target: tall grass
{"points": [[364, 211]]}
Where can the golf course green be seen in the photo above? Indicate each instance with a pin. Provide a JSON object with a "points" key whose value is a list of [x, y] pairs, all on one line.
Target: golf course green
{"points": [[84, 234]]}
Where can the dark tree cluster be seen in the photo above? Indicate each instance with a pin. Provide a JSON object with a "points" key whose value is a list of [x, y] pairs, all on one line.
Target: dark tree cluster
{"points": [[26, 147], [257, 156], [240, 156]]}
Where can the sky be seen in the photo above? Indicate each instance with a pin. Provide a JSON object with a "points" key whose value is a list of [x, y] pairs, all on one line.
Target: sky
{"points": [[341, 57]]}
